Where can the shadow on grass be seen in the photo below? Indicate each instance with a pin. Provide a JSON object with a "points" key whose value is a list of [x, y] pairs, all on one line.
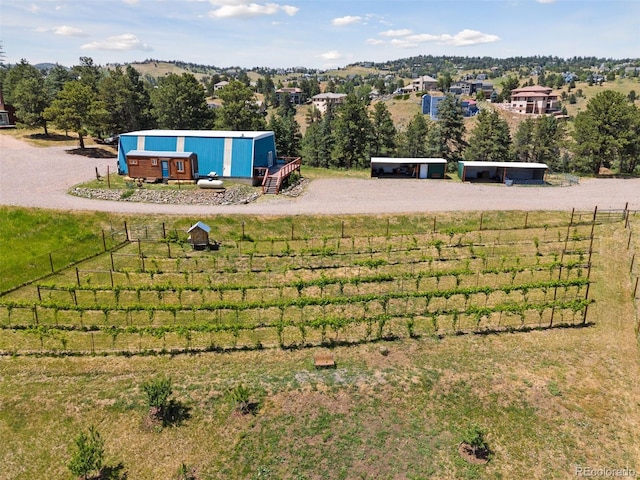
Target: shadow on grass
{"points": [[52, 137], [95, 152], [175, 414], [113, 472]]}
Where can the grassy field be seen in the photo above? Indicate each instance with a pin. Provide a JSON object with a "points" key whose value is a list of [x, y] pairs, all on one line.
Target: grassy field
{"points": [[396, 407]]}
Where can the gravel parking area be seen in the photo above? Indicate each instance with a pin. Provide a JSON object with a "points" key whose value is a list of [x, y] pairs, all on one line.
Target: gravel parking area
{"points": [[41, 177]]}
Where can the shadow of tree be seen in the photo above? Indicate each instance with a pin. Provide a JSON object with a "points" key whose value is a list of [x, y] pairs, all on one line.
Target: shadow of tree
{"points": [[113, 472], [92, 152], [53, 137], [175, 414]]}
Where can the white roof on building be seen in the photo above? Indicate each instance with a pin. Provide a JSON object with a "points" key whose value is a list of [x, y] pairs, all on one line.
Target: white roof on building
{"points": [[328, 95], [200, 133], [159, 153], [467, 163], [377, 160]]}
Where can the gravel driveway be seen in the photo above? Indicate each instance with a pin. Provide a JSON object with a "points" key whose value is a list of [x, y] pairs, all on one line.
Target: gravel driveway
{"points": [[41, 177]]}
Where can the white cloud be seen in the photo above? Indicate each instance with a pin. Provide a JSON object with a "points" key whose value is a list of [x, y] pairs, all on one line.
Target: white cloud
{"points": [[33, 8], [546, 1], [125, 42], [466, 37], [67, 31], [131, 2], [396, 33], [348, 20], [331, 55], [244, 9], [374, 41]]}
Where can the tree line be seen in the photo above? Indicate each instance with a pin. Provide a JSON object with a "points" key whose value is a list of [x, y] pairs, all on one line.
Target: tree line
{"points": [[90, 100]]}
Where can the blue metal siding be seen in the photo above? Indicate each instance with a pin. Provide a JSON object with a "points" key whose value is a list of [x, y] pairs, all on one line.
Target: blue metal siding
{"points": [[210, 152], [167, 144], [261, 151], [125, 145], [242, 157]]}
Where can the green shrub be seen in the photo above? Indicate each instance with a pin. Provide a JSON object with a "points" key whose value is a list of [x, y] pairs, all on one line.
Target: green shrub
{"points": [[89, 454], [158, 391]]}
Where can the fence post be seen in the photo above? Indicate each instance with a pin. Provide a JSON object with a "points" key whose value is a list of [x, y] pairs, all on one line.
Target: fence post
{"points": [[481, 215], [51, 262], [164, 231], [104, 241], [342, 229], [526, 220], [633, 259], [629, 241], [112, 266], [108, 178], [126, 231], [434, 224], [635, 289], [78, 276], [292, 234]]}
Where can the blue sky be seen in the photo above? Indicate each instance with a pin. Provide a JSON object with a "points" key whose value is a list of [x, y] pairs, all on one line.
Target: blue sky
{"points": [[312, 33]]}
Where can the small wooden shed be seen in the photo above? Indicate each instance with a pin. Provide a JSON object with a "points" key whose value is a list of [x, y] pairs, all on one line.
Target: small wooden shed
{"points": [[199, 236]]}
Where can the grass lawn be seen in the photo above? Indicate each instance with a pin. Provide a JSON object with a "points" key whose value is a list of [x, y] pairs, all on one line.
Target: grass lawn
{"points": [[547, 400]]}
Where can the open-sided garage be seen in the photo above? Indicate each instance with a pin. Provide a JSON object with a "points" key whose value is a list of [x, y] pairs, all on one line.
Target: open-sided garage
{"points": [[503, 172], [382, 167]]}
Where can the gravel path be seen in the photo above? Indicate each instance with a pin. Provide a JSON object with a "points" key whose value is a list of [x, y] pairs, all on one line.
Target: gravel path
{"points": [[41, 177]]}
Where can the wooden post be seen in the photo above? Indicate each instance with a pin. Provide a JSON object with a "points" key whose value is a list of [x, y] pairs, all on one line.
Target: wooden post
{"points": [[629, 241], [108, 178], [35, 314], [78, 276], [243, 229], [292, 235], [51, 263], [635, 289], [342, 229], [168, 250], [112, 267], [97, 174], [573, 210], [39, 296], [434, 224], [481, 216], [93, 344], [111, 276], [139, 248], [633, 259], [164, 231], [526, 219], [126, 231]]}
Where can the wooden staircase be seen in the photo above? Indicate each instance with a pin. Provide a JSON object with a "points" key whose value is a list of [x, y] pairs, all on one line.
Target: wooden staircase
{"points": [[271, 183]]}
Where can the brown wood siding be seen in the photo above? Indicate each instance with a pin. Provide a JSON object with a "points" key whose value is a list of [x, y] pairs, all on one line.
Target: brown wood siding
{"points": [[142, 167], [199, 237]]}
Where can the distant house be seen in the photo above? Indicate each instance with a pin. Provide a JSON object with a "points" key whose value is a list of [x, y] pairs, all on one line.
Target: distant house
{"points": [[220, 85], [296, 95], [424, 84], [323, 100], [7, 114], [471, 87], [534, 99], [382, 167]]}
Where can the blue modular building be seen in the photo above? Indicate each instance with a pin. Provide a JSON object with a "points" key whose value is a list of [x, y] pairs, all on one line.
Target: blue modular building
{"points": [[430, 106], [241, 155]]}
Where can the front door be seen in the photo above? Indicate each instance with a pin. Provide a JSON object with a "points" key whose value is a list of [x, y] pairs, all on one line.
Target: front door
{"points": [[165, 169]]}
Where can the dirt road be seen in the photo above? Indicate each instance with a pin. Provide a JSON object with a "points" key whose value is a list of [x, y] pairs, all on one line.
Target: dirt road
{"points": [[41, 177]]}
